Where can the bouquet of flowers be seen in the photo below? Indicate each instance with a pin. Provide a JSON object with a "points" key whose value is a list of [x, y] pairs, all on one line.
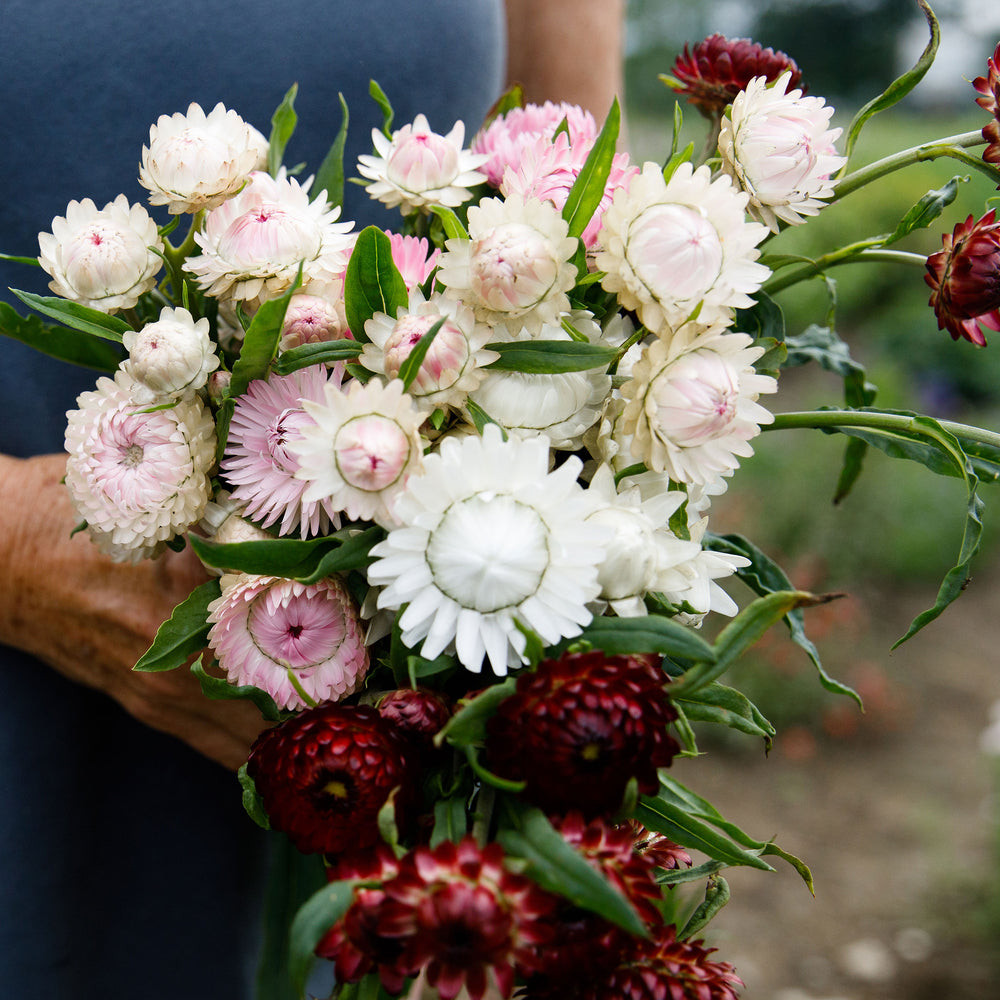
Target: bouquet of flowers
{"points": [[454, 484]]}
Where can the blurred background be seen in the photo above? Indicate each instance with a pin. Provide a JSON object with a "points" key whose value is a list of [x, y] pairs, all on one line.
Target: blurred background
{"points": [[896, 810]]}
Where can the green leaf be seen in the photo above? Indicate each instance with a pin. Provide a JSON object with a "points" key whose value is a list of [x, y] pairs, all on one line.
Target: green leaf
{"points": [[219, 689], [926, 210], [410, 368], [740, 634], [468, 725], [33, 261], [901, 86], [511, 98], [728, 707], [58, 341], [75, 316], [684, 156], [480, 418], [373, 283], [305, 355], [260, 343], [252, 802], [487, 777], [679, 876], [453, 228], [450, 822], [223, 418], [419, 667], [716, 896], [320, 912], [330, 176], [548, 357], [283, 123], [305, 560], [647, 634], [183, 634], [588, 188], [675, 139], [556, 866], [764, 576], [378, 95]]}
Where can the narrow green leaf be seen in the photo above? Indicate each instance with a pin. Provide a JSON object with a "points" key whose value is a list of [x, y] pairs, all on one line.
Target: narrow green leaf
{"points": [[419, 667], [728, 707], [648, 634], [684, 156], [283, 123], [468, 725], [373, 283], [59, 342], [33, 261], [556, 866], [306, 355], [330, 176], [219, 689], [410, 368], [901, 86], [223, 418], [480, 418], [260, 342], [547, 357], [453, 228], [511, 98], [378, 95], [675, 139], [764, 576], [75, 316], [320, 912], [679, 876], [450, 822], [252, 802], [488, 777], [716, 896], [588, 188], [926, 210], [850, 469], [183, 634]]}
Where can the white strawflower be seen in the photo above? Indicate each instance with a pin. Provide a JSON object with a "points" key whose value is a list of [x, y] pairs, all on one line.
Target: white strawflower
{"points": [[692, 405], [417, 167], [643, 553], [360, 448], [489, 538], [137, 478], [196, 161], [252, 244], [514, 268], [562, 406], [172, 357], [779, 149], [667, 247], [453, 365], [103, 258]]}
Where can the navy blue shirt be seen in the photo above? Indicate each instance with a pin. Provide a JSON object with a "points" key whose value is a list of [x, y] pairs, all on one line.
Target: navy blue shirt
{"points": [[127, 865]]}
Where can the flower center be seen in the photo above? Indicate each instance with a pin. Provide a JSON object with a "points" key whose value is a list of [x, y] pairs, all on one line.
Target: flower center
{"points": [[489, 552], [303, 632], [133, 456], [279, 432]]}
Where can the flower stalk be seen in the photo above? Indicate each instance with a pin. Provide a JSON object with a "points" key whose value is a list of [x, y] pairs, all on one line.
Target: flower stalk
{"points": [[860, 253]]}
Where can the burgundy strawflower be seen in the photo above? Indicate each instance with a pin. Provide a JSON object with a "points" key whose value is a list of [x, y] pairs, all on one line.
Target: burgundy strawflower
{"points": [[662, 968], [417, 713], [989, 87], [718, 68], [965, 279], [464, 918], [579, 728], [325, 774]]}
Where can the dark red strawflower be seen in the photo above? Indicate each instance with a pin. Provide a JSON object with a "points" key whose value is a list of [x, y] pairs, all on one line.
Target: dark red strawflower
{"points": [[325, 774], [577, 729], [660, 851], [659, 969], [419, 714], [718, 68], [989, 87], [461, 916], [965, 279]]}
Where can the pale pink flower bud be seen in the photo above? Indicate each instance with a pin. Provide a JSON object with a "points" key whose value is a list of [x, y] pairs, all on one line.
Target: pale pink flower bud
{"points": [[371, 452], [312, 319], [170, 357], [444, 360], [197, 161], [103, 258], [218, 386]]}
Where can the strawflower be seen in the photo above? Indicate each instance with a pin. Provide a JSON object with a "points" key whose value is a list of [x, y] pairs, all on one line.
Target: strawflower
{"points": [[989, 87]]}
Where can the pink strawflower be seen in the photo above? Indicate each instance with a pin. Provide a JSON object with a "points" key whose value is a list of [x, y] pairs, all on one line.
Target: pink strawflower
{"points": [[259, 462], [267, 631], [413, 257], [548, 169], [505, 139]]}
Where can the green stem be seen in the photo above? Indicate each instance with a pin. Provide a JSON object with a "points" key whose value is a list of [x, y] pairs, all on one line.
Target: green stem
{"points": [[176, 256], [953, 146], [845, 255], [877, 420]]}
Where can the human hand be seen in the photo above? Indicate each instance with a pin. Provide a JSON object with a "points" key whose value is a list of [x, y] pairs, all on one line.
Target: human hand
{"points": [[91, 619]]}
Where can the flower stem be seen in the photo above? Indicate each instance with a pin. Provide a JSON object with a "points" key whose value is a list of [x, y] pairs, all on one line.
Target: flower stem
{"points": [[953, 146], [845, 255], [879, 421]]}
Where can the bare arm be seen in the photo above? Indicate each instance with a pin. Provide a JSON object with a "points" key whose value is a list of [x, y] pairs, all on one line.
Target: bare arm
{"points": [[91, 619], [567, 50]]}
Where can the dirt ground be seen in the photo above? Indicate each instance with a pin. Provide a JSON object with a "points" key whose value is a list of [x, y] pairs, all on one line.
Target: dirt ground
{"points": [[893, 811]]}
